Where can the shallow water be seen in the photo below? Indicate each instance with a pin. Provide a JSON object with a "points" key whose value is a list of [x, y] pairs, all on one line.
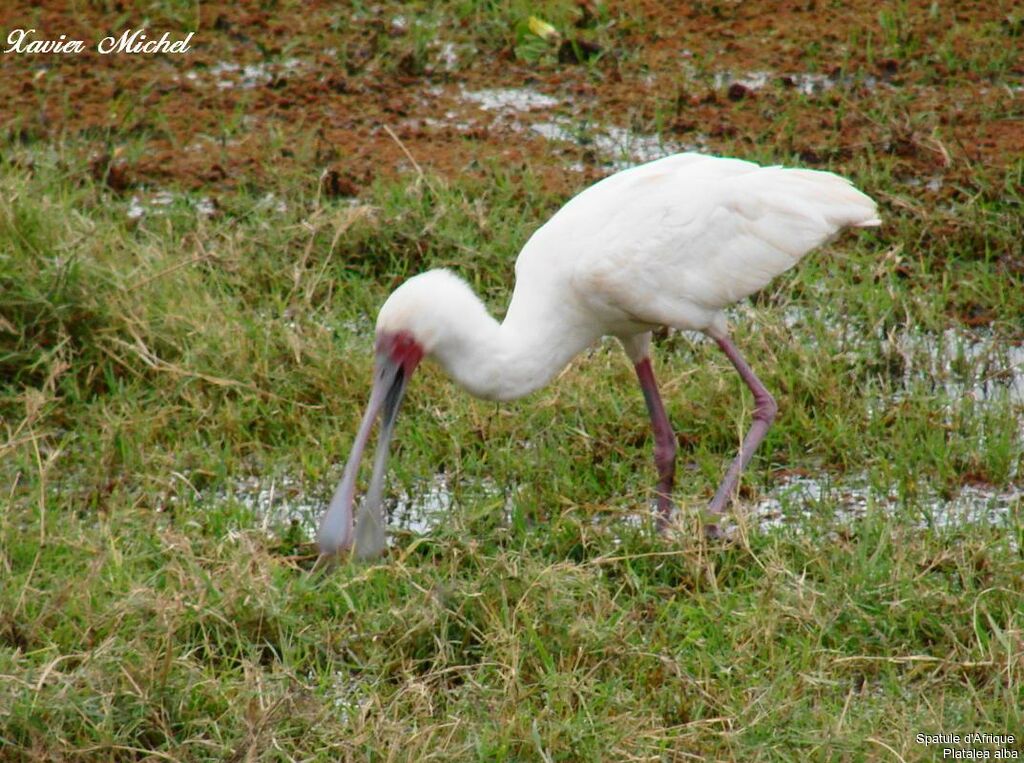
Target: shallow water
{"points": [[226, 75], [961, 364], [792, 504], [796, 500], [510, 99], [934, 183], [418, 509], [807, 83], [142, 205], [613, 147], [956, 363], [276, 501], [749, 80]]}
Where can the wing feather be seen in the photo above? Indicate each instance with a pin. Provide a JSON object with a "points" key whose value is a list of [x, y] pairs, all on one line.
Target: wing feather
{"points": [[677, 240]]}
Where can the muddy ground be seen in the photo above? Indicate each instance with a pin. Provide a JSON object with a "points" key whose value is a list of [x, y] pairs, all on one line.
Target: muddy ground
{"points": [[334, 96]]}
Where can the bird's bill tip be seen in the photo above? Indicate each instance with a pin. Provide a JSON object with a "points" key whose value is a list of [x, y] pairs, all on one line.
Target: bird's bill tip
{"points": [[338, 531], [335, 534]]}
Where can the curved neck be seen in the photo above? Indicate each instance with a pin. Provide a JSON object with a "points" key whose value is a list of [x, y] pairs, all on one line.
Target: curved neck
{"points": [[509, 360]]}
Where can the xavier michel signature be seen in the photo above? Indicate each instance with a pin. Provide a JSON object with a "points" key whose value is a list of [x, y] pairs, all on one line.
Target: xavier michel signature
{"points": [[130, 41]]}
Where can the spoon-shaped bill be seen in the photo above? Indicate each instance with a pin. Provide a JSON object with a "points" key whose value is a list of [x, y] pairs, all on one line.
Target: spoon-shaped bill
{"points": [[336, 534], [370, 534]]}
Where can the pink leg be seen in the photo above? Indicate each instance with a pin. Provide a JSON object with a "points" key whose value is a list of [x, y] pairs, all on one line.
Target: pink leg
{"points": [[764, 413], [664, 441]]}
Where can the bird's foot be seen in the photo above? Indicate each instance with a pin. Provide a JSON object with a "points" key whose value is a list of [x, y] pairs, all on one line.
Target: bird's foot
{"points": [[714, 524], [713, 531], [713, 515], [664, 514]]}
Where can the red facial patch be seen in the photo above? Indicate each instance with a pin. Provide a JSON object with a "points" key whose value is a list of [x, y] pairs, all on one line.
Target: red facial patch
{"points": [[402, 349]]}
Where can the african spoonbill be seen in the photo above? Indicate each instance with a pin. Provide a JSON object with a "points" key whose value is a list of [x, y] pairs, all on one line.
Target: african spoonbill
{"points": [[668, 243]]}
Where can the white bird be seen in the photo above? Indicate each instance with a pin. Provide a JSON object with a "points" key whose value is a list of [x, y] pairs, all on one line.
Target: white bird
{"points": [[669, 243]]}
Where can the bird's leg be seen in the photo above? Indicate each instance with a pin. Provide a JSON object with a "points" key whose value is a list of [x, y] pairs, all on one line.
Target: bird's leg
{"points": [[664, 440], [765, 409]]}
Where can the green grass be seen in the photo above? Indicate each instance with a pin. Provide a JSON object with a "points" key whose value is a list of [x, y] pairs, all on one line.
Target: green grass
{"points": [[147, 366], [150, 365]]}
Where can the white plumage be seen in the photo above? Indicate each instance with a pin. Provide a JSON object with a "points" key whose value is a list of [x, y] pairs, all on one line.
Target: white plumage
{"points": [[672, 242]]}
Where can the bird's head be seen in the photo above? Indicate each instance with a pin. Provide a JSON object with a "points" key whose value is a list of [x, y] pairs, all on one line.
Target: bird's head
{"points": [[413, 322], [427, 308]]}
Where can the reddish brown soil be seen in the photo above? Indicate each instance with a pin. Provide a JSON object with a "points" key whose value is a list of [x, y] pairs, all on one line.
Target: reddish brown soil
{"points": [[324, 123]]}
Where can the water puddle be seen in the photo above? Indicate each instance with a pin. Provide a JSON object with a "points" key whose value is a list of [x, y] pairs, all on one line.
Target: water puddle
{"points": [[933, 183], [227, 75], [617, 148], [750, 80], [797, 500], [511, 100], [277, 501], [792, 504], [806, 83], [613, 147], [428, 504], [158, 204], [419, 509], [451, 120], [956, 364], [161, 203]]}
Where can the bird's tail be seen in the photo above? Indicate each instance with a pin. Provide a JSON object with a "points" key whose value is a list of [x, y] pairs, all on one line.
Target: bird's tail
{"points": [[873, 222], [842, 204]]}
